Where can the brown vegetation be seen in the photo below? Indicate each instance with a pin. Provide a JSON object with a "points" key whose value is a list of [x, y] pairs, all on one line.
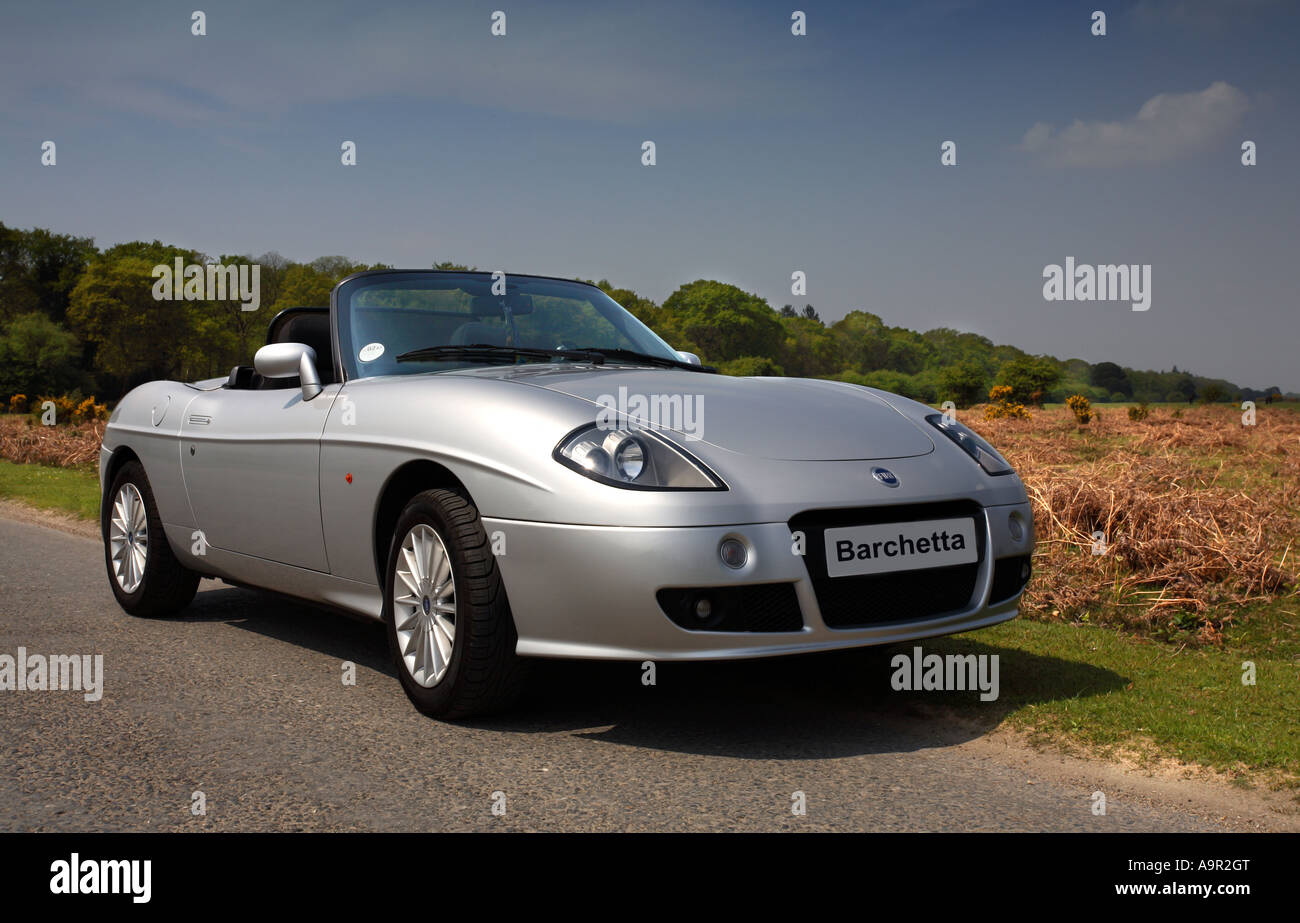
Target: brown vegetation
{"points": [[75, 445], [1198, 513]]}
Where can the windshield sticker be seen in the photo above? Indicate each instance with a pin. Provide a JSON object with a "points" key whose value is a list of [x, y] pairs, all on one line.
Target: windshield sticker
{"points": [[370, 352]]}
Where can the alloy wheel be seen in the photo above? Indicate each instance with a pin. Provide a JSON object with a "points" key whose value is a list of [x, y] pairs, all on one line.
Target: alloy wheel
{"points": [[424, 605]]}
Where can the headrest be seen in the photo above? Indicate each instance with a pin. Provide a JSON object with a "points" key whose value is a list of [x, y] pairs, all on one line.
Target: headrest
{"points": [[288, 319], [306, 327]]}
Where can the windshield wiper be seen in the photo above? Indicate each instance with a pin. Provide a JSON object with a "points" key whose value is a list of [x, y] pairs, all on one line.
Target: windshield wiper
{"points": [[596, 355], [489, 352], [631, 355]]}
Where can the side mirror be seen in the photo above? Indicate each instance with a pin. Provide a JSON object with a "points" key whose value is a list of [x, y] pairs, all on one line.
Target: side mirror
{"points": [[286, 360], [689, 357]]}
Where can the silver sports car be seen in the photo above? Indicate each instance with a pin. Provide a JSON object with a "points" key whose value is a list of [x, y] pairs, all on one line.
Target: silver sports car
{"points": [[506, 467]]}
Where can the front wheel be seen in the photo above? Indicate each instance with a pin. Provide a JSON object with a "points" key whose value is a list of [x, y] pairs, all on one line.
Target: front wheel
{"points": [[145, 576], [449, 625]]}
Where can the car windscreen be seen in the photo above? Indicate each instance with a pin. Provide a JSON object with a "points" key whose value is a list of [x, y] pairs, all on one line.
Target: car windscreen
{"points": [[382, 316]]}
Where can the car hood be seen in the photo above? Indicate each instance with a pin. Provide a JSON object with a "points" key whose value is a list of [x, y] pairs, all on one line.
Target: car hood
{"points": [[778, 418]]}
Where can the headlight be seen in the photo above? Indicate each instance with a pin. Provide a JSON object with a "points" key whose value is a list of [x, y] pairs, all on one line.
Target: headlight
{"points": [[970, 443], [636, 459]]}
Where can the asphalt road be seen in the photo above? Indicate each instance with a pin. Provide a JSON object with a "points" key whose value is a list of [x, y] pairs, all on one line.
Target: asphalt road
{"points": [[243, 700]]}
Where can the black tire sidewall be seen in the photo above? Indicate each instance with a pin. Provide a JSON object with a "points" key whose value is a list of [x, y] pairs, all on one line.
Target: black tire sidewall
{"points": [[133, 473], [432, 700]]}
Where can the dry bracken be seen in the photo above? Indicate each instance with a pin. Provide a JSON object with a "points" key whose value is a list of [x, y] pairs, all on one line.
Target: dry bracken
{"points": [[1197, 514]]}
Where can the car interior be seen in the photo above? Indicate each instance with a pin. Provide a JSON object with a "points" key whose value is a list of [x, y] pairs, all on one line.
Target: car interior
{"points": [[307, 325], [483, 323]]}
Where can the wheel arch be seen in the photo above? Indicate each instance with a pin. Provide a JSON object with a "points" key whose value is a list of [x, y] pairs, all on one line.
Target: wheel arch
{"points": [[121, 455], [404, 483]]}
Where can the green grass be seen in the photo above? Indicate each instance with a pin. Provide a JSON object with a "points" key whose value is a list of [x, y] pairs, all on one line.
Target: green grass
{"points": [[1272, 630], [68, 490], [1098, 690]]}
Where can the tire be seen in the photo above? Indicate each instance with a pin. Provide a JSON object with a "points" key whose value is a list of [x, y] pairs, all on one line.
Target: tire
{"points": [[471, 667], [161, 586]]}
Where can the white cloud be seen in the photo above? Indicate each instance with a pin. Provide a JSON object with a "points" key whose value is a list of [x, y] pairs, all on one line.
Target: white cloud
{"points": [[1167, 126]]}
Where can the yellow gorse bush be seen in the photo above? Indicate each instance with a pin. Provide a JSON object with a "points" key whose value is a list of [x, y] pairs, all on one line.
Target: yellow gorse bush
{"points": [[1081, 407], [88, 410], [1001, 407], [67, 409]]}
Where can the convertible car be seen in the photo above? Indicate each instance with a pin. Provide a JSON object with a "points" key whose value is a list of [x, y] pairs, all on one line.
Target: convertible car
{"points": [[508, 467]]}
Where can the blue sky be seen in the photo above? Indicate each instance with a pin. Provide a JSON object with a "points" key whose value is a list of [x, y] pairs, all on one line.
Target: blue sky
{"points": [[775, 153]]}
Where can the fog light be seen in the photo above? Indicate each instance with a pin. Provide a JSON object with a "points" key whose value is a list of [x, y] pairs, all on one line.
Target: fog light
{"points": [[1015, 528], [703, 608], [733, 552]]}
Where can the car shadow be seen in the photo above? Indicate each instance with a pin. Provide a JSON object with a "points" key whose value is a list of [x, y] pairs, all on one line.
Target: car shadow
{"points": [[326, 631], [805, 706]]}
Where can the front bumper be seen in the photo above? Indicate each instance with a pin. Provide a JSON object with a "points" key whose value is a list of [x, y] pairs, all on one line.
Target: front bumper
{"points": [[590, 591]]}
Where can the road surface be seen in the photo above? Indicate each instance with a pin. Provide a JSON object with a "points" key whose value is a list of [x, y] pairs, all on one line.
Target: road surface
{"points": [[243, 700]]}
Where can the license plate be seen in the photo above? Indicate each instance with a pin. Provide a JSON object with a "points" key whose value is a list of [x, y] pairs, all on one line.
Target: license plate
{"points": [[856, 550]]}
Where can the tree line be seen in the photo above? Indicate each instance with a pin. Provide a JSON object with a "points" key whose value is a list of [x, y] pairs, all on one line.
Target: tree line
{"points": [[78, 320]]}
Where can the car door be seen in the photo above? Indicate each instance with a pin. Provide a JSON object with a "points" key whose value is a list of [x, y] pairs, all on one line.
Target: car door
{"points": [[251, 462]]}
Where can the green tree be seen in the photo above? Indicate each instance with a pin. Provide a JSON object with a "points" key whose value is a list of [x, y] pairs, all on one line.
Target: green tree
{"points": [[224, 334], [907, 351], [751, 366], [335, 267], [310, 284], [964, 383], [271, 275], [863, 341], [1029, 377], [723, 321], [135, 336], [37, 356], [808, 348], [304, 285], [1110, 377], [1212, 392], [38, 270], [17, 296], [949, 347], [643, 309]]}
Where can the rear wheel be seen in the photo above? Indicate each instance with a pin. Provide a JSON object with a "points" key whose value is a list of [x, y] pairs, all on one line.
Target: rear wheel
{"points": [[449, 625], [145, 576]]}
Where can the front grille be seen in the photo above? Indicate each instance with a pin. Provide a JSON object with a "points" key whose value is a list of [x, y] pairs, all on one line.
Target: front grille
{"points": [[900, 596], [762, 607], [1009, 577], [906, 596]]}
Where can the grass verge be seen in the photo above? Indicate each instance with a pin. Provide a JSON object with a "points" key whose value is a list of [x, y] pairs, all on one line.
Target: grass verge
{"points": [[1099, 690], [68, 490]]}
